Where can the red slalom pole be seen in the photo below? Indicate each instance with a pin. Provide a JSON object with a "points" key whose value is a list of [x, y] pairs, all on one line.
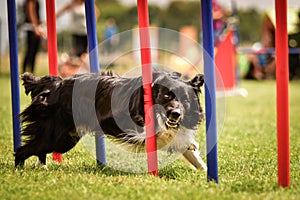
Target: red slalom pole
{"points": [[52, 41], [52, 50], [282, 91], [143, 18]]}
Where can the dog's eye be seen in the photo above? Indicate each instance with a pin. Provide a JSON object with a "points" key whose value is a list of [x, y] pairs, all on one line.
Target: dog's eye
{"points": [[167, 96]]}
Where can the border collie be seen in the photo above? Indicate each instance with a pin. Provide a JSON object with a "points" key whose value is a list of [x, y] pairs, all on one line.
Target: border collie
{"points": [[64, 110]]}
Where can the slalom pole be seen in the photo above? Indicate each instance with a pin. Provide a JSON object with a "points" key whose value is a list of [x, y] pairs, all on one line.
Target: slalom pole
{"points": [[92, 35], [94, 67], [14, 72], [52, 51], [0, 43], [52, 40], [210, 91], [282, 91], [143, 19]]}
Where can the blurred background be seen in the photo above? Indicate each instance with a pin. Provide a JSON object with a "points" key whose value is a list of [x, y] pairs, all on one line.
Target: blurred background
{"points": [[252, 22]]}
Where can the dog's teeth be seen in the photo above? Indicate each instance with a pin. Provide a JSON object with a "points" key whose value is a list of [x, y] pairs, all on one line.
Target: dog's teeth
{"points": [[171, 123]]}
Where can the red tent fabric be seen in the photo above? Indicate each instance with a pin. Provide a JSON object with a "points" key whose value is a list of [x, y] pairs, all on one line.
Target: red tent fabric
{"points": [[225, 60]]}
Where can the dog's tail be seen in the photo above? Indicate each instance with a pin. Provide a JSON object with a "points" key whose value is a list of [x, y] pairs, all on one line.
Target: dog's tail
{"points": [[35, 85]]}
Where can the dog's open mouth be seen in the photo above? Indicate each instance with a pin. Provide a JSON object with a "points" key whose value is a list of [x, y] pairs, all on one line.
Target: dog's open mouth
{"points": [[173, 118]]}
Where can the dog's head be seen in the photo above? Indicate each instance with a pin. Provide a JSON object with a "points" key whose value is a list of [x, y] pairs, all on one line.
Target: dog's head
{"points": [[177, 112], [178, 100]]}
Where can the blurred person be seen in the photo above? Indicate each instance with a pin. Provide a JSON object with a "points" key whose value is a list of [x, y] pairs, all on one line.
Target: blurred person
{"points": [[219, 16], [294, 57], [262, 63], [34, 32], [76, 61], [110, 39], [78, 30]]}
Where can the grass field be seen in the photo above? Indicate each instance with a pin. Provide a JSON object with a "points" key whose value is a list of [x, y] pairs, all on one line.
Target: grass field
{"points": [[247, 159]]}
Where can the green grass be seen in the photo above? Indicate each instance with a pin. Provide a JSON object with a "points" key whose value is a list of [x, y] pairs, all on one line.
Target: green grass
{"points": [[247, 159]]}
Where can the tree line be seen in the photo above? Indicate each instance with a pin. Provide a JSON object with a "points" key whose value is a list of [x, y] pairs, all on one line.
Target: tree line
{"points": [[176, 15]]}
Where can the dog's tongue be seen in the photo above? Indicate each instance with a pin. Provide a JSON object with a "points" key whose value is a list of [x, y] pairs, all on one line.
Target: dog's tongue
{"points": [[193, 157]]}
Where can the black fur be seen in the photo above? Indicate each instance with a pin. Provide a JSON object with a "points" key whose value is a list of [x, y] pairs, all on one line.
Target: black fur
{"points": [[50, 124]]}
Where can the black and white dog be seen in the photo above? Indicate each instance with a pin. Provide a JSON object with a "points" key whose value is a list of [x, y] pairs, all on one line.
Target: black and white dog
{"points": [[63, 110]]}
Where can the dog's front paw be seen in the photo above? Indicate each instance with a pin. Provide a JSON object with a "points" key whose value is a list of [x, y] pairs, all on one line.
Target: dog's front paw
{"points": [[192, 155]]}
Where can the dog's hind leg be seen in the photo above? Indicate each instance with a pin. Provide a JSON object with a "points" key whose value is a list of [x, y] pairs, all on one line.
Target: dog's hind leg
{"points": [[25, 152], [18, 161], [42, 158], [41, 161], [21, 155]]}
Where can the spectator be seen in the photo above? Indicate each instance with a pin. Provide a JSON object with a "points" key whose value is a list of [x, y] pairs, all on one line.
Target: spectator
{"points": [[76, 61], [110, 39], [294, 57], [262, 63], [219, 21], [34, 32], [262, 60], [78, 30]]}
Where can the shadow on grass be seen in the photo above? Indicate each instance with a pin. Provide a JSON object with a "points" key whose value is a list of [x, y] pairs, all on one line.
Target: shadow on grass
{"points": [[177, 171], [168, 172]]}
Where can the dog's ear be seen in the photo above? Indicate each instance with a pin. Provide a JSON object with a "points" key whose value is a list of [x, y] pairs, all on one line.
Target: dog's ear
{"points": [[197, 82]]}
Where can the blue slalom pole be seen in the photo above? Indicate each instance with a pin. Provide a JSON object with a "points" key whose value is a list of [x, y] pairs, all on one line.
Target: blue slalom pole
{"points": [[92, 35], [210, 91], [94, 67], [14, 71]]}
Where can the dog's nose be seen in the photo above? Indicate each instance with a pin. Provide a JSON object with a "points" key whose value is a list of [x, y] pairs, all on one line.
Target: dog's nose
{"points": [[175, 114]]}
